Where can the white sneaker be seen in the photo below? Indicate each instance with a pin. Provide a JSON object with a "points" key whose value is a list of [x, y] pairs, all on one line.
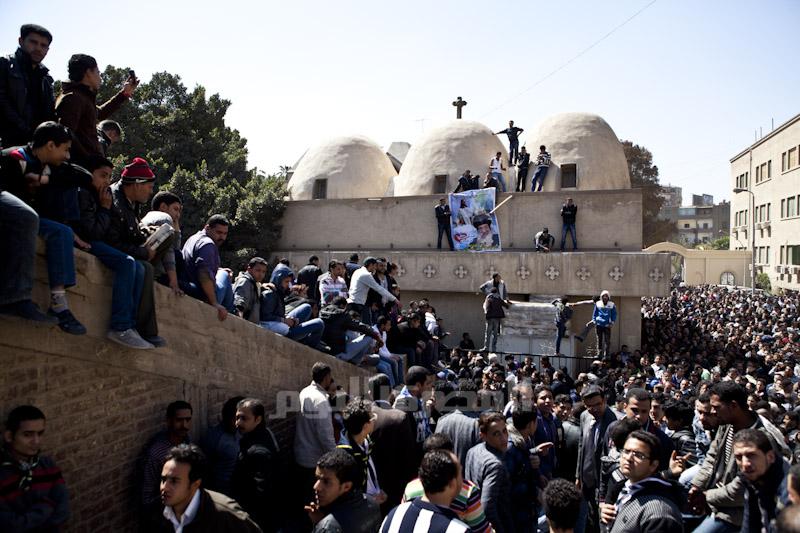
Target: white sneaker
{"points": [[129, 338]]}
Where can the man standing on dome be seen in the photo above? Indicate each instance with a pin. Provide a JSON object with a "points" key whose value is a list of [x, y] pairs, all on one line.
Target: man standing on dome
{"points": [[513, 141], [523, 162], [496, 168], [542, 164]]}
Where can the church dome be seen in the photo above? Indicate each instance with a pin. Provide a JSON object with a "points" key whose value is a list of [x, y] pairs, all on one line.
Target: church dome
{"points": [[585, 141], [448, 151], [351, 167]]}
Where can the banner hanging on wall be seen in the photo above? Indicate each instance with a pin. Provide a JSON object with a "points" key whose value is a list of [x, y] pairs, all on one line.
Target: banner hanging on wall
{"points": [[472, 224]]}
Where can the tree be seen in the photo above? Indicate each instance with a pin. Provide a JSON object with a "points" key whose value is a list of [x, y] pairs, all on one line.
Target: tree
{"points": [[763, 282], [183, 135], [723, 243], [644, 175]]}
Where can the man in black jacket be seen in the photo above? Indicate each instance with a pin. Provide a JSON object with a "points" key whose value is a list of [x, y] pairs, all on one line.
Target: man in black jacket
{"points": [[338, 322], [442, 212], [569, 211], [308, 276], [256, 478], [340, 505], [94, 227], [133, 190], [26, 88]]}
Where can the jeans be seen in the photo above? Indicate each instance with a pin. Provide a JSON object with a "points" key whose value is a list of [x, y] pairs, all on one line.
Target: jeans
{"points": [[513, 152], [715, 525], [127, 271], [356, 349], [491, 334], [308, 332], [688, 475], [603, 340], [586, 329], [444, 229], [223, 291], [522, 177], [384, 367], [19, 225], [541, 172], [396, 367], [501, 180], [566, 227], [561, 329], [60, 256]]}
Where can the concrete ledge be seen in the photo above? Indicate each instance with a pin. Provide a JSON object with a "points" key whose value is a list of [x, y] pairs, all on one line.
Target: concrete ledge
{"points": [[104, 401]]}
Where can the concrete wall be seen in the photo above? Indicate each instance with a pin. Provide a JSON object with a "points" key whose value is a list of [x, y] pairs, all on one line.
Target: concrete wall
{"points": [[779, 184], [707, 266], [607, 220], [103, 402], [642, 274]]}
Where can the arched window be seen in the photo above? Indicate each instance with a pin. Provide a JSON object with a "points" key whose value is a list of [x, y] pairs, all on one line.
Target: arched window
{"points": [[727, 278]]}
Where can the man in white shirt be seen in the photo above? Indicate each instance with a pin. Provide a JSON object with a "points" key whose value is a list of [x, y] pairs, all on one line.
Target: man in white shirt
{"points": [[497, 168], [314, 430], [332, 283], [360, 284]]}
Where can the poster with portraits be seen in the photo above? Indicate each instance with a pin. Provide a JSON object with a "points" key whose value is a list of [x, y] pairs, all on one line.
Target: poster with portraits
{"points": [[472, 224]]}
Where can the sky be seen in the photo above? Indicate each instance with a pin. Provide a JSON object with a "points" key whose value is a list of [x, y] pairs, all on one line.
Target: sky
{"points": [[693, 81]]}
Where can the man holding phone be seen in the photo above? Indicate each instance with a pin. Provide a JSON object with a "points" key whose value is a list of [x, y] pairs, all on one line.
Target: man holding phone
{"points": [[77, 106]]}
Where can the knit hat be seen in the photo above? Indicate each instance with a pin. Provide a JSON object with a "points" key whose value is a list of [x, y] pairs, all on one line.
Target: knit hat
{"points": [[138, 171]]}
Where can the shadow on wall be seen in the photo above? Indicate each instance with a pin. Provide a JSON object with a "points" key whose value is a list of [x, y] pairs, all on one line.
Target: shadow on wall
{"points": [[103, 402]]}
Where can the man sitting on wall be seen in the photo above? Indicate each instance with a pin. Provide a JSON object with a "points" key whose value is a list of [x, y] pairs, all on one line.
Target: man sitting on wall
{"points": [[207, 281]]}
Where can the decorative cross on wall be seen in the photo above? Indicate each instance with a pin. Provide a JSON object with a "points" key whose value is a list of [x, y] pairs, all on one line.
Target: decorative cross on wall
{"points": [[429, 271], [656, 275], [460, 272], [552, 272], [523, 272], [492, 271], [583, 273], [401, 271], [616, 273]]}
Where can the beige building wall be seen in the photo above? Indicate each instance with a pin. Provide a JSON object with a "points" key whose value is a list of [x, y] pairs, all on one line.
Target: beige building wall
{"points": [[709, 266], [408, 222], [770, 168]]}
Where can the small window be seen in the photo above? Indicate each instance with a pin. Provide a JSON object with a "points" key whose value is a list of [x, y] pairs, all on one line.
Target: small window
{"points": [[569, 176], [320, 189], [705, 225], [440, 184], [792, 158], [686, 226]]}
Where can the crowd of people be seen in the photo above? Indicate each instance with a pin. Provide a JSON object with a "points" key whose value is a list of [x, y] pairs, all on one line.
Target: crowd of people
{"points": [[697, 430]]}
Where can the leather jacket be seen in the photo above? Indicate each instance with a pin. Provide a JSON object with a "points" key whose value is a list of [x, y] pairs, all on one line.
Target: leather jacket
{"points": [[124, 233]]}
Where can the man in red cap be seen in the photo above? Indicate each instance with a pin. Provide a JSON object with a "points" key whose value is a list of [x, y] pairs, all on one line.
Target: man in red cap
{"points": [[136, 187]]}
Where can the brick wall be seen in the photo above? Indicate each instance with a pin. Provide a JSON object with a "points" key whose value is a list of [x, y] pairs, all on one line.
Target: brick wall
{"points": [[103, 402]]}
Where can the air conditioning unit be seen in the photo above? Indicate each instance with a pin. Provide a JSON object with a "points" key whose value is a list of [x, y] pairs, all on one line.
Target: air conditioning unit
{"points": [[759, 225], [779, 269], [796, 270], [766, 224]]}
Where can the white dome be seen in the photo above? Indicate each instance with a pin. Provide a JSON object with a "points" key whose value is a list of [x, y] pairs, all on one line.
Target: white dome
{"points": [[354, 167], [450, 150], [588, 142]]}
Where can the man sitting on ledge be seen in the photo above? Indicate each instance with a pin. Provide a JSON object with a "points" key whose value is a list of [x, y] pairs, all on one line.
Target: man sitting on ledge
{"points": [[296, 324], [207, 281]]}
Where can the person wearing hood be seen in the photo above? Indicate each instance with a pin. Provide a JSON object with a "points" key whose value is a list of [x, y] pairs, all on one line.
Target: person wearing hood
{"points": [[26, 87], [764, 475], [604, 316], [247, 290], [645, 502], [77, 106], [256, 479], [297, 324]]}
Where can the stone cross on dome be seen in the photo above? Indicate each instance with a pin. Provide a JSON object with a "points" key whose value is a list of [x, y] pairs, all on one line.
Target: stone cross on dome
{"points": [[459, 103]]}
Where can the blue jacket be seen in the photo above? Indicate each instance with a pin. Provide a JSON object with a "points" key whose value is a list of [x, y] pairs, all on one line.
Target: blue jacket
{"points": [[604, 315]]}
